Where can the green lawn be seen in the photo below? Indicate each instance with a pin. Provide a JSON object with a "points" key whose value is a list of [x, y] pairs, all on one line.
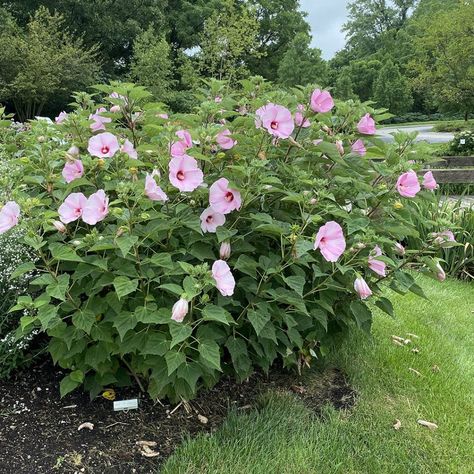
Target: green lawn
{"points": [[285, 438], [439, 125]]}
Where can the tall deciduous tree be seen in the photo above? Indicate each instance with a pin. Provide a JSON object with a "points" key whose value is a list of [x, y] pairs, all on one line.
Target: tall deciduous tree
{"points": [[44, 63], [302, 64], [151, 64], [229, 36], [344, 88], [391, 89], [444, 57]]}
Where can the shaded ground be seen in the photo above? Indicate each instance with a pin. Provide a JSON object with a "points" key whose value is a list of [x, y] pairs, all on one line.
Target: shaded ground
{"points": [[39, 431]]}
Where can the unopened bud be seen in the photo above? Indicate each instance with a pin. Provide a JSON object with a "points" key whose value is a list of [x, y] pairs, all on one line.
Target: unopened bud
{"points": [[115, 109], [73, 152], [313, 201], [397, 205], [41, 139], [225, 250], [60, 227]]}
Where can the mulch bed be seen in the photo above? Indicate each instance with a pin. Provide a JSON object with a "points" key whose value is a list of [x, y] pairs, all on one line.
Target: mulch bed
{"points": [[39, 431]]}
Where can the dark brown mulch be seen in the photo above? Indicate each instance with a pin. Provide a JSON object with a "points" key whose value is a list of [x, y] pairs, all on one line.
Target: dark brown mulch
{"points": [[39, 431]]}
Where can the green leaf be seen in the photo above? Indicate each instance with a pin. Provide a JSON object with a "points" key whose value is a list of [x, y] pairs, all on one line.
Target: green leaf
{"points": [[296, 283], [173, 360], [210, 354], [359, 223], [84, 319], [67, 385], [123, 322], [246, 265], [96, 354], [156, 344], [124, 286], [59, 287], [385, 305], [125, 243], [172, 288], [191, 287], [46, 314], [191, 373], [362, 315], [224, 234], [62, 252], [25, 321], [162, 260], [258, 319], [22, 269], [179, 333], [216, 313]]}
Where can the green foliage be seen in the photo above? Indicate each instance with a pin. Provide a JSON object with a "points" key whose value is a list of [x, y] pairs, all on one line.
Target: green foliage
{"points": [[43, 63], [105, 293], [344, 88], [391, 89], [443, 63], [151, 64], [462, 144], [301, 64], [227, 38]]}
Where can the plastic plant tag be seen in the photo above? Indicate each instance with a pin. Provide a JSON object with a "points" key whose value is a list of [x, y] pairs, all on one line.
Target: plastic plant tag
{"points": [[121, 405]]}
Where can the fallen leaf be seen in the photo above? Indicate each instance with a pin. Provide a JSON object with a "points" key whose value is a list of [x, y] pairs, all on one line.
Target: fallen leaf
{"points": [[428, 424], [298, 389], [397, 343], [87, 425], [415, 350], [414, 371], [150, 444], [435, 368], [414, 336], [406, 341], [203, 419], [397, 425], [398, 338], [109, 394], [147, 452]]}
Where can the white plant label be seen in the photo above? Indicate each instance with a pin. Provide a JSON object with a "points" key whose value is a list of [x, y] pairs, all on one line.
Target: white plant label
{"points": [[121, 405], [462, 141]]}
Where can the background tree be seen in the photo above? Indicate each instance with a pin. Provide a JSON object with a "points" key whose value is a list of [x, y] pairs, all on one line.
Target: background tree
{"points": [[43, 64], [344, 88], [228, 37], [151, 64], [444, 65], [363, 73], [391, 89], [302, 64], [112, 24], [279, 21]]}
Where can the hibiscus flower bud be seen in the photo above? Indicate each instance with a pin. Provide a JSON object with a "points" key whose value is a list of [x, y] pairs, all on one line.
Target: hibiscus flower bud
{"points": [[313, 201], [224, 251], [60, 227], [397, 205], [399, 249], [180, 310], [115, 109], [41, 139], [441, 276], [72, 153], [362, 289]]}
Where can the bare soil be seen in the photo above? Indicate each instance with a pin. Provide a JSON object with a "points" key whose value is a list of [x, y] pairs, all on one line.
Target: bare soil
{"points": [[39, 430]]}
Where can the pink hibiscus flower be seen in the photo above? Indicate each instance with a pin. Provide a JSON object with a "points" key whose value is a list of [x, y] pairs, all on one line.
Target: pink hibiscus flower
{"points": [[72, 208], [211, 220], [330, 241], [358, 147], [300, 119], [366, 125], [73, 170], [276, 119], [128, 148], [429, 181], [361, 287], [225, 141], [222, 198], [321, 101], [61, 117], [377, 265], [408, 185], [9, 216], [223, 277], [185, 173], [153, 191], [96, 208], [103, 145]]}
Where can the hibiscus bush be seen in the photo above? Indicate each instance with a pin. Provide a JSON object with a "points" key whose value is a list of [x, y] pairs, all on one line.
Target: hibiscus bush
{"points": [[173, 249]]}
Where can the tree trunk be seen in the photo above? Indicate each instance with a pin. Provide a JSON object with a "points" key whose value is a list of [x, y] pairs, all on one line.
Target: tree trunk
{"points": [[466, 116]]}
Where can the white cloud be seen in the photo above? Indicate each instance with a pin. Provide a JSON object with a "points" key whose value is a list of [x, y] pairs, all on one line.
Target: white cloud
{"points": [[326, 18]]}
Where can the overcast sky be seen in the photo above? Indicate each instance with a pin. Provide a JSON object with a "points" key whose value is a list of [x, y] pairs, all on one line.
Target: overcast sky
{"points": [[326, 18]]}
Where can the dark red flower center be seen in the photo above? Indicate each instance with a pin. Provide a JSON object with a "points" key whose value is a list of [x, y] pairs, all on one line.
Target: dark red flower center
{"points": [[229, 197], [274, 125], [209, 219], [180, 175], [105, 149]]}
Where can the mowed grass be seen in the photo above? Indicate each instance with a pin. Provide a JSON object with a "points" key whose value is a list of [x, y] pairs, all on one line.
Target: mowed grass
{"points": [[284, 437]]}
